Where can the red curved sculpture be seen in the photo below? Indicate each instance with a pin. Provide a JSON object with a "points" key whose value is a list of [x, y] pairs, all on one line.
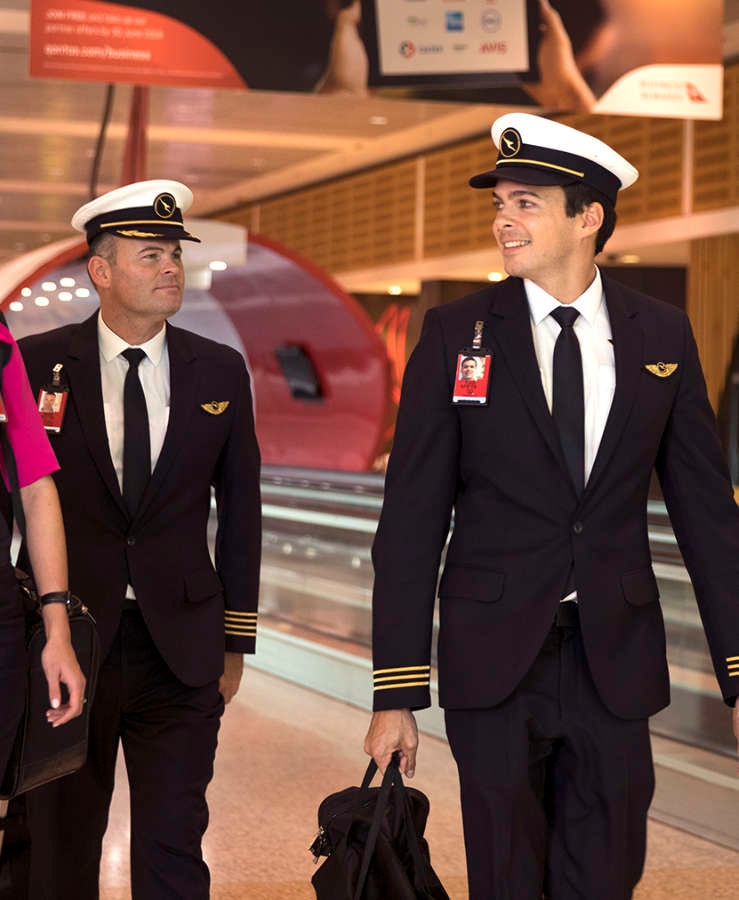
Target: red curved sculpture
{"points": [[321, 374]]}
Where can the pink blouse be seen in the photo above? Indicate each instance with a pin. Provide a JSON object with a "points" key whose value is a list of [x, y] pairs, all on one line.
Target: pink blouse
{"points": [[34, 457]]}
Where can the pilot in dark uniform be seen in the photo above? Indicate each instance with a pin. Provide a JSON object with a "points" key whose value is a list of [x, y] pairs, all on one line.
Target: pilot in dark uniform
{"points": [[551, 652], [173, 626]]}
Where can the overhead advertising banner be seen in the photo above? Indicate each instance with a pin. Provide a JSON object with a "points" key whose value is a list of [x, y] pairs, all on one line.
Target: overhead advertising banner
{"points": [[444, 41], [91, 41], [629, 57]]}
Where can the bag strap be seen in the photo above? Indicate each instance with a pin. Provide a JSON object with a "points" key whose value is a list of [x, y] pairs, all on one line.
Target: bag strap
{"points": [[419, 864], [391, 780], [392, 774]]}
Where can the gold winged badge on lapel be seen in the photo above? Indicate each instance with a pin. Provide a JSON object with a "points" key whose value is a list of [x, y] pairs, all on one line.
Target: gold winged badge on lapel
{"points": [[215, 407], [661, 369]]}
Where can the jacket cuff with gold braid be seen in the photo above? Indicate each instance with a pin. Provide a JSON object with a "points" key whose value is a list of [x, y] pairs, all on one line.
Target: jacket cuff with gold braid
{"points": [[240, 630], [402, 687]]}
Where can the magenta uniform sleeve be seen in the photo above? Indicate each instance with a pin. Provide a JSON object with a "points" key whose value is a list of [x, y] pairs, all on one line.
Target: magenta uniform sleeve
{"points": [[33, 454]]}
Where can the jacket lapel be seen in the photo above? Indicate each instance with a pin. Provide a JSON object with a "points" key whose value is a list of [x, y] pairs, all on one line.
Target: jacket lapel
{"points": [[513, 339], [86, 393], [628, 343]]}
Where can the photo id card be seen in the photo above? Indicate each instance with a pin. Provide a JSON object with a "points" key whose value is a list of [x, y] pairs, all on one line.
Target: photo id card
{"points": [[472, 377], [52, 402]]}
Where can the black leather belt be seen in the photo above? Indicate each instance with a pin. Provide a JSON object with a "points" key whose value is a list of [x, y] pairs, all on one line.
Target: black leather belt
{"points": [[568, 615]]}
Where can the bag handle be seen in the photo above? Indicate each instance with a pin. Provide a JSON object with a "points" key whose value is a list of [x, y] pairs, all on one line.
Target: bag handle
{"points": [[391, 773], [391, 779]]}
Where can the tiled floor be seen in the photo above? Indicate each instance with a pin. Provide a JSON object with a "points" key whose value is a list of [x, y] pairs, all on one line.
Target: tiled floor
{"points": [[283, 748]]}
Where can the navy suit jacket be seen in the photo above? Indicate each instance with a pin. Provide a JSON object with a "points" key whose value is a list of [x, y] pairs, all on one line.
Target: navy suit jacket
{"points": [[193, 610], [519, 525]]}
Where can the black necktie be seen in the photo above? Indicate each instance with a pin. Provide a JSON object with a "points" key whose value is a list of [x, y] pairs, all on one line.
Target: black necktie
{"points": [[136, 447], [568, 405]]}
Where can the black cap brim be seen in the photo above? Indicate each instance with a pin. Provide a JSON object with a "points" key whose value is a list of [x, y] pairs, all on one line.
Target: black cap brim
{"points": [[521, 175]]}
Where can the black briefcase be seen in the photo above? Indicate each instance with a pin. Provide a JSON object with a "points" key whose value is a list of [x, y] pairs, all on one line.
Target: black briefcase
{"points": [[42, 753], [373, 838]]}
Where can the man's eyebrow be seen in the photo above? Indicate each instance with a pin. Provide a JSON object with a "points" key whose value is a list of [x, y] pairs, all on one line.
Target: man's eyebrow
{"points": [[160, 247], [522, 192]]}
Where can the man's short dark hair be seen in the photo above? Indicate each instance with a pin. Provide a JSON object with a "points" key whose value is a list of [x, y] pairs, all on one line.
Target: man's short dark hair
{"points": [[103, 245], [578, 196]]}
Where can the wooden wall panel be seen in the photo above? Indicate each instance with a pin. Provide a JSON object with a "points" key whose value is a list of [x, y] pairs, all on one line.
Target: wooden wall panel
{"points": [[655, 147], [369, 218], [716, 153], [457, 218], [712, 306], [356, 222]]}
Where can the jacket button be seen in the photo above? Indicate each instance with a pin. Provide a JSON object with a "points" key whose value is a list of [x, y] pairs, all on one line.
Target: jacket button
{"points": [[131, 541], [577, 527]]}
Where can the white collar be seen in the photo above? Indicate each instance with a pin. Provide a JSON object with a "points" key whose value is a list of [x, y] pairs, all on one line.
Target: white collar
{"points": [[111, 345], [587, 304]]}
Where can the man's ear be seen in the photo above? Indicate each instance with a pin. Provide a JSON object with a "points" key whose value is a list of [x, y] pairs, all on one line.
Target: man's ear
{"points": [[592, 217], [98, 269]]}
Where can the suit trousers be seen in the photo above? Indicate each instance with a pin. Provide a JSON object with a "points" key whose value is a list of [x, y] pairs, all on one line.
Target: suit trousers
{"points": [[168, 732], [554, 788]]}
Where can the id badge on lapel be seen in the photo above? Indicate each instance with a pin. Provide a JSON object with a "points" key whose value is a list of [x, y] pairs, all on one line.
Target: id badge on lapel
{"points": [[472, 374], [52, 400]]}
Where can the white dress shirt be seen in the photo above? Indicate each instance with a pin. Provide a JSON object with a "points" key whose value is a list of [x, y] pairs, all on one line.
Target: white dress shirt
{"points": [[154, 376], [593, 330]]}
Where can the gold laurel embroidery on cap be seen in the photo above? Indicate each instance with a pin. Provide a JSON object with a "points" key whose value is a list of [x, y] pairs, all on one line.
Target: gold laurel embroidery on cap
{"points": [[661, 369], [131, 232], [164, 205], [510, 142], [215, 407]]}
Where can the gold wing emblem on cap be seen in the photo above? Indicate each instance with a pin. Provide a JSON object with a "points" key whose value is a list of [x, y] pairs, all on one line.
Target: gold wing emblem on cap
{"points": [[215, 407], [661, 369], [164, 205], [510, 142]]}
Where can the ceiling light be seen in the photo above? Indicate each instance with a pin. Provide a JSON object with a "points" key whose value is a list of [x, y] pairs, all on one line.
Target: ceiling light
{"points": [[67, 282], [41, 301], [82, 293], [65, 296], [217, 265], [495, 276], [395, 290], [16, 306], [26, 292], [48, 286]]}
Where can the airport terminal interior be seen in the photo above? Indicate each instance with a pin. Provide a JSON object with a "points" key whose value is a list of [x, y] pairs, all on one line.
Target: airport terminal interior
{"points": [[330, 226]]}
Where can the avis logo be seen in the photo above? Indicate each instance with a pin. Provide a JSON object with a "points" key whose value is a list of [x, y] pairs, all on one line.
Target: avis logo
{"points": [[494, 47], [407, 49], [694, 95]]}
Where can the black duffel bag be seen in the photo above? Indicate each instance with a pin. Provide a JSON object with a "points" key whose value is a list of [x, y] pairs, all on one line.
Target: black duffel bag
{"points": [[373, 838]]}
